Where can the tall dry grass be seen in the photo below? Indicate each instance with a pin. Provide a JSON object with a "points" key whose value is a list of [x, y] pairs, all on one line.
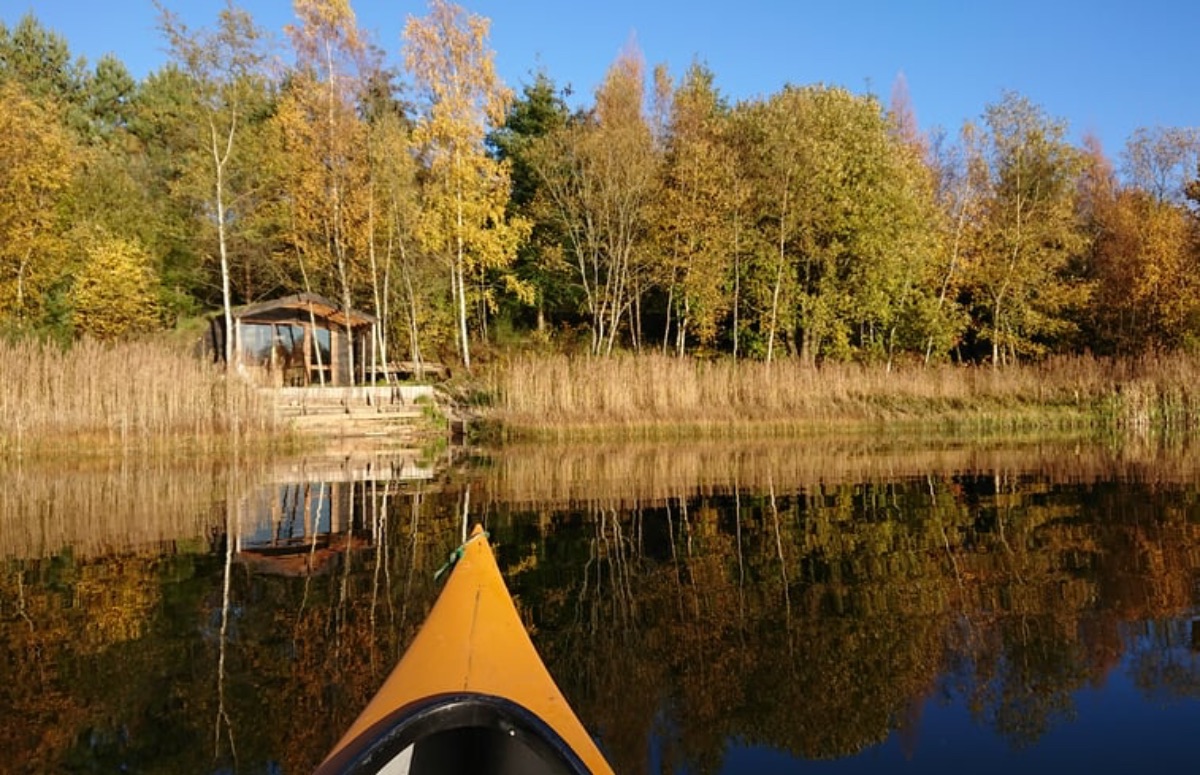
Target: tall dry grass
{"points": [[122, 396], [652, 394]]}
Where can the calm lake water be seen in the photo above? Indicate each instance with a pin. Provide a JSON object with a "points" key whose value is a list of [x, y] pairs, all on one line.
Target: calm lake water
{"points": [[827, 606]]}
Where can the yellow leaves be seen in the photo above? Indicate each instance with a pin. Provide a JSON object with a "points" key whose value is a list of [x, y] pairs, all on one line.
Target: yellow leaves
{"points": [[36, 154], [1143, 256], [114, 292], [38, 160], [326, 159], [446, 54], [327, 39], [464, 220], [619, 98], [697, 207]]}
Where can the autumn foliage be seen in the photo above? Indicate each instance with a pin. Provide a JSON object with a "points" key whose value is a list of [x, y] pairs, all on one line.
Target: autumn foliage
{"points": [[407, 180]]}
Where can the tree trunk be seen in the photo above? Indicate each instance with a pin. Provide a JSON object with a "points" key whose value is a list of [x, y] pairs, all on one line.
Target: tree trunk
{"points": [[21, 287], [667, 322], [232, 354], [996, 350], [379, 346], [737, 282], [414, 347], [774, 310], [460, 259], [778, 270]]}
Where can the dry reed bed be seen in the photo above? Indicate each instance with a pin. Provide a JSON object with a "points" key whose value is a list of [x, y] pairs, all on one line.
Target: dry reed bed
{"points": [[545, 394], [124, 395]]}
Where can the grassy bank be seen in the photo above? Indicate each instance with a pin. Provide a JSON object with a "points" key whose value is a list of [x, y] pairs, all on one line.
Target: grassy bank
{"points": [[137, 396], [655, 396]]}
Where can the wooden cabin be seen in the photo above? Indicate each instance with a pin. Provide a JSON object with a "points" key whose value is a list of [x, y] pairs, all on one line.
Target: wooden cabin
{"points": [[299, 340]]}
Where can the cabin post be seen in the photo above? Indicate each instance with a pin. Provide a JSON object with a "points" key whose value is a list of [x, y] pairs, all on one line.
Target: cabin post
{"points": [[372, 331], [237, 343], [333, 355], [308, 352]]}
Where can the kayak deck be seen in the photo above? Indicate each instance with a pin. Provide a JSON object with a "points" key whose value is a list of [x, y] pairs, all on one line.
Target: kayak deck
{"points": [[471, 693]]}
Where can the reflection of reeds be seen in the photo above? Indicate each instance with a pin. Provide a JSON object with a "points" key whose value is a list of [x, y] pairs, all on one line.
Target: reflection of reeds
{"points": [[655, 394], [653, 472], [126, 395], [110, 506], [145, 502]]}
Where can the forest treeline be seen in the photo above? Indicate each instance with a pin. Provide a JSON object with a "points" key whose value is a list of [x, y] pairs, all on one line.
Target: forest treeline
{"points": [[812, 223]]}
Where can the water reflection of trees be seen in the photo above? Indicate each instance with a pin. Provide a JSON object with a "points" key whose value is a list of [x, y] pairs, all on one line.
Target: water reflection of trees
{"points": [[139, 689], [746, 594], [111, 629], [815, 611]]}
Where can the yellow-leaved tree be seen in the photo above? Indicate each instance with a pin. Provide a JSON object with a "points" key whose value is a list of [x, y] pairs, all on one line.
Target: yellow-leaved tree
{"points": [[115, 290], [599, 177], [325, 143], [1020, 273], [697, 211], [464, 220], [37, 159]]}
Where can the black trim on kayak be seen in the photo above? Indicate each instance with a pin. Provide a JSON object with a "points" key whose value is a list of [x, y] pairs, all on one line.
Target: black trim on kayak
{"points": [[467, 732]]}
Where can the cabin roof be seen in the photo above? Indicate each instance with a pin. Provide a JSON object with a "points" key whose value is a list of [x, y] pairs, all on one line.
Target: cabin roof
{"points": [[301, 304]]}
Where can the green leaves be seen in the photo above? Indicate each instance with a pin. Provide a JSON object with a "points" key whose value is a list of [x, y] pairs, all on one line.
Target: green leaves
{"points": [[809, 222], [1028, 234]]}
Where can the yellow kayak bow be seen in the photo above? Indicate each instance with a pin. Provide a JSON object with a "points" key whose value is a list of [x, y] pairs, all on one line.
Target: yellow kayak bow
{"points": [[470, 695]]}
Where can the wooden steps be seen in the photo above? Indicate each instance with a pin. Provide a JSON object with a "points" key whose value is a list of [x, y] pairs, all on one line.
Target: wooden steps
{"points": [[353, 411]]}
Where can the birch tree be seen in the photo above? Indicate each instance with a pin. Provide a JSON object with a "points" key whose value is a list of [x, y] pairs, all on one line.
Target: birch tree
{"points": [[328, 150], [225, 65], [696, 211], [462, 99], [847, 211], [778, 158], [1021, 277], [1160, 160], [599, 176], [38, 159], [961, 175], [393, 214]]}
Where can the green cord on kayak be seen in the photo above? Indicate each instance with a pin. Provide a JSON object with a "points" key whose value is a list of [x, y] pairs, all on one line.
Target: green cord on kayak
{"points": [[457, 554]]}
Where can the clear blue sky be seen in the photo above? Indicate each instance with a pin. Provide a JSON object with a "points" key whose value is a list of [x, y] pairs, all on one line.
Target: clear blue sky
{"points": [[1106, 67]]}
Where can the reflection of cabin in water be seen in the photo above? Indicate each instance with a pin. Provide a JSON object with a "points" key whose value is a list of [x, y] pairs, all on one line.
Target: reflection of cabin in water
{"points": [[299, 340], [307, 526], [318, 510]]}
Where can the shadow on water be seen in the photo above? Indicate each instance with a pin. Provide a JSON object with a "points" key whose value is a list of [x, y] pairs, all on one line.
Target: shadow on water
{"points": [[856, 603]]}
